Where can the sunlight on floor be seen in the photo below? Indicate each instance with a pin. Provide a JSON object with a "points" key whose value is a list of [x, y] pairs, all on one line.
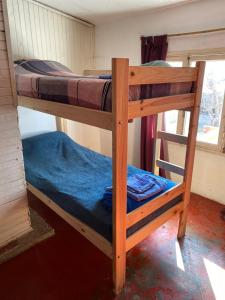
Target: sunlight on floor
{"points": [[179, 258], [217, 278]]}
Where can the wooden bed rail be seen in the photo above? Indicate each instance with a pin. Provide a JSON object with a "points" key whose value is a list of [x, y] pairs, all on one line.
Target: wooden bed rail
{"points": [[93, 117], [148, 208], [147, 107], [142, 233], [155, 75], [95, 238]]}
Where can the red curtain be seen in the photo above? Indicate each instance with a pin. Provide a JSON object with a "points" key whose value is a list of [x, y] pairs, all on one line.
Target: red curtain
{"points": [[152, 48]]}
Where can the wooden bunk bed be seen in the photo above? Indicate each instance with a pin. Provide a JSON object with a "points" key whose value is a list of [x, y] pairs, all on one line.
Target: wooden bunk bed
{"points": [[116, 121]]}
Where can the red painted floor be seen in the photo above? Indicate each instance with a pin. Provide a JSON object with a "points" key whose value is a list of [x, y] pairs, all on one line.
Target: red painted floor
{"points": [[67, 266]]}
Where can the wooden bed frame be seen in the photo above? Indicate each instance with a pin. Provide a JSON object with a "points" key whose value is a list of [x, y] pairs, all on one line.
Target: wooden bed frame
{"points": [[123, 76]]}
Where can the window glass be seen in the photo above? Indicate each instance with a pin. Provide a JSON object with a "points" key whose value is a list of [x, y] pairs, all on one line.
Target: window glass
{"points": [[211, 103], [175, 63]]}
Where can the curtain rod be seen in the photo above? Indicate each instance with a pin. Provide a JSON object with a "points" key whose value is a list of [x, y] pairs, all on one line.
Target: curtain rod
{"points": [[197, 32]]}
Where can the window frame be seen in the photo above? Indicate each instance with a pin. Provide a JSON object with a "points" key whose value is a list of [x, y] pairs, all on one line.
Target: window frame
{"points": [[194, 55]]}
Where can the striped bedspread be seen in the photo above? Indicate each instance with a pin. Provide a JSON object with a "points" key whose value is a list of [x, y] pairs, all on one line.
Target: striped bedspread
{"points": [[53, 81]]}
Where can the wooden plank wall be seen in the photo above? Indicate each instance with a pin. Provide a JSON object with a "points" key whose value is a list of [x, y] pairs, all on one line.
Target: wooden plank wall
{"points": [[14, 213], [40, 32]]}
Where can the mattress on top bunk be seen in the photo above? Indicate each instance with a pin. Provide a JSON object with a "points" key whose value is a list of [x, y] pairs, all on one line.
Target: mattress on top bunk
{"points": [[75, 178], [53, 81]]}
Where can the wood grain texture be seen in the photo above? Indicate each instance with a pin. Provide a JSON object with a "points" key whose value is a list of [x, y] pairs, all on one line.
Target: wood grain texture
{"points": [[170, 167], [5, 92], [2, 45], [142, 233], [153, 106], [190, 154], [14, 212], [176, 138], [119, 160], [40, 32], [95, 238], [4, 73], [148, 208], [9, 52], [84, 115], [5, 100], [5, 83], [14, 220], [156, 75], [2, 36], [4, 65], [3, 57], [2, 27]]}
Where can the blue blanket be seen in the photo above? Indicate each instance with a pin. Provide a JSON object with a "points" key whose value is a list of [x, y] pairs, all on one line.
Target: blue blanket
{"points": [[74, 177], [140, 187]]}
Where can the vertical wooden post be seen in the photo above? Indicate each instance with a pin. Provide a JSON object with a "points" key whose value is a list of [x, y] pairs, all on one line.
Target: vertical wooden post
{"points": [[61, 124], [156, 148], [189, 162], [120, 67]]}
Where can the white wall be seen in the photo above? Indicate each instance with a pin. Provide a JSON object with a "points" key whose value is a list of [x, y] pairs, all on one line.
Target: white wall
{"points": [[43, 33], [32, 122], [122, 39]]}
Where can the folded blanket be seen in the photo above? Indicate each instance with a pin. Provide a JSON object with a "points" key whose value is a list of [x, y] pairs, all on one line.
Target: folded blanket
{"points": [[132, 204], [142, 186], [140, 183]]}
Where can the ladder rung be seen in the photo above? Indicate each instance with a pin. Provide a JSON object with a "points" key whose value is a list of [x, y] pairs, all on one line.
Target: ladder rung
{"points": [[170, 167], [177, 138]]}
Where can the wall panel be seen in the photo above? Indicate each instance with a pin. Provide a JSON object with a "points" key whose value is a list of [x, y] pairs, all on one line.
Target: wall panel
{"points": [[14, 212], [43, 33], [40, 32]]}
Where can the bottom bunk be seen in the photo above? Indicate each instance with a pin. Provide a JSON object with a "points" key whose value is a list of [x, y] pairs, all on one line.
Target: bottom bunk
{"points": [[72, 180]]}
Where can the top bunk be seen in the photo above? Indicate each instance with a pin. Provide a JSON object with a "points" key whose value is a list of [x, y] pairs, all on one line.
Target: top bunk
{"points": [[95, 99]]}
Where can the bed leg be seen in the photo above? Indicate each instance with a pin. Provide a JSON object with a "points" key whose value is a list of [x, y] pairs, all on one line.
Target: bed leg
{"points": [[183, 216], [120, 92], [182, 224], [119, 273]]}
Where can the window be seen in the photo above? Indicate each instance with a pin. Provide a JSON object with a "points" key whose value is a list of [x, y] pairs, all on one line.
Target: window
{"points": [[211, 128], [212, 101]]}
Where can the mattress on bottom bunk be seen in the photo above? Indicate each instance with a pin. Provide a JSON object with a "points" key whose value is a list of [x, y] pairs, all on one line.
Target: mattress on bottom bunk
{"points": [[75, 178], [53, 81]]}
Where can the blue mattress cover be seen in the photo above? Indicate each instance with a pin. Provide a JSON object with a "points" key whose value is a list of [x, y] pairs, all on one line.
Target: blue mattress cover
{"points": [[75, 178]]}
